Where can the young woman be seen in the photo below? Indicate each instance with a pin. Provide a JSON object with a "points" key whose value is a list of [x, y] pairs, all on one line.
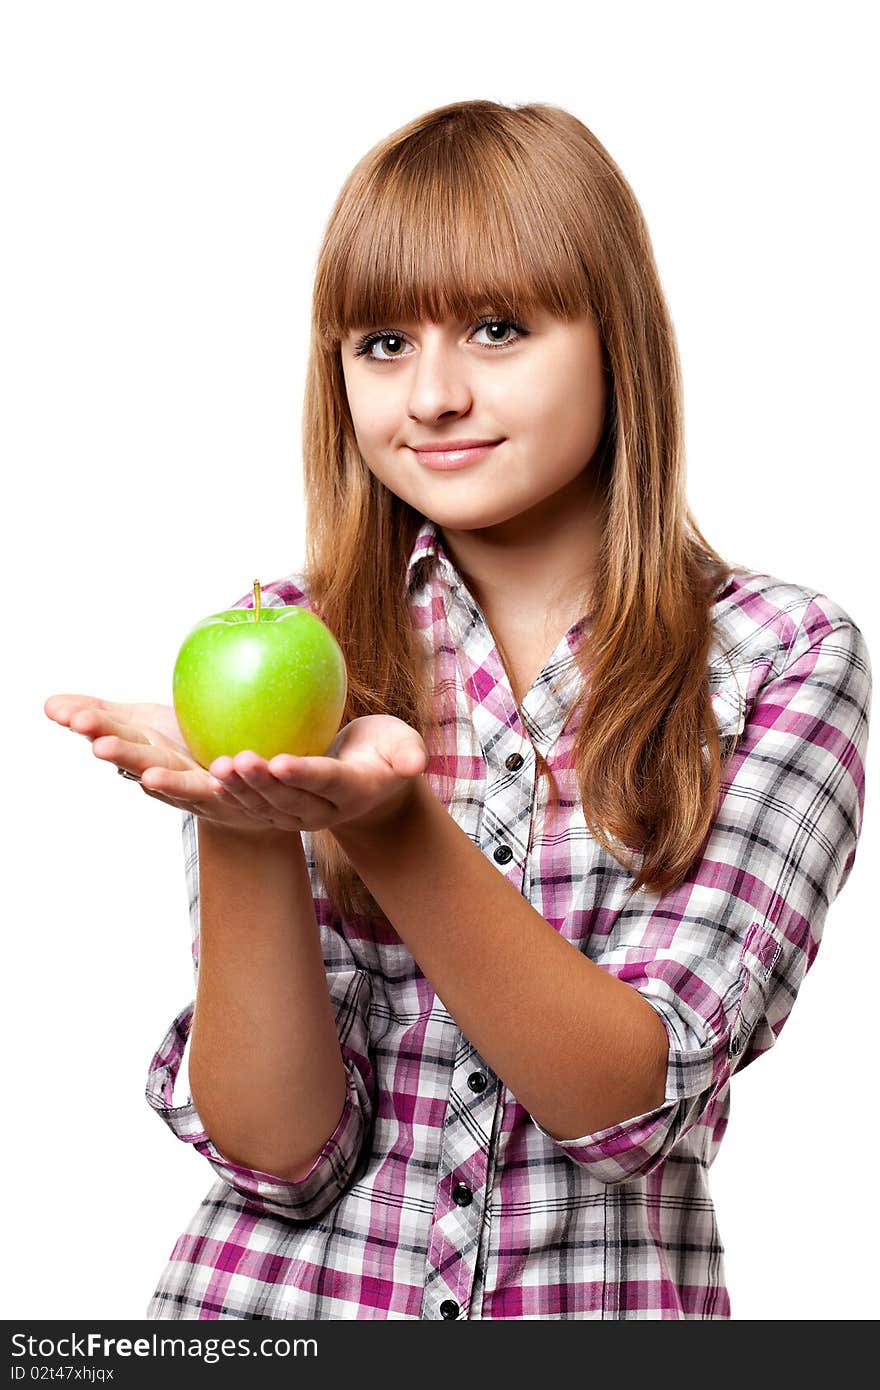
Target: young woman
{"points": [[472, 987]]}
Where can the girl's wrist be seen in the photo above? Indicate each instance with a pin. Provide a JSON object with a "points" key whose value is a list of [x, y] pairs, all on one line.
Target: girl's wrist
{"points": [[254, 840]]}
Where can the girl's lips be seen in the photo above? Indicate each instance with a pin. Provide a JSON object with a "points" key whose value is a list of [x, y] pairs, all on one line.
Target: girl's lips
{"points": [[454, 458]]}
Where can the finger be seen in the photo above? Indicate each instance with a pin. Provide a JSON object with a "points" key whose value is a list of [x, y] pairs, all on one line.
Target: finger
{"points": [[93, 723], [132, 757], [221, 814], [251, 779], [327, 778], [197, 786], [235, 814], [61, 708]]}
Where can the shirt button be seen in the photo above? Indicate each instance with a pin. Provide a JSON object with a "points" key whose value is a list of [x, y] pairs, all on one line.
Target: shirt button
{"points": [[477, 1081], [514, 762], [449, 1308], [502, 854], [462, 1194]]}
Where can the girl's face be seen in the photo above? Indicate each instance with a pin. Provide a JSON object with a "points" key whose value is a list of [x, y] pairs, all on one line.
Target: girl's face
{"points": [[538, 386]]}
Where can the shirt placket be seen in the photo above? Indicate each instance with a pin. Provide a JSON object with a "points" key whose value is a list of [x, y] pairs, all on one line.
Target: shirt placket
{"points": [[460, 1226]]}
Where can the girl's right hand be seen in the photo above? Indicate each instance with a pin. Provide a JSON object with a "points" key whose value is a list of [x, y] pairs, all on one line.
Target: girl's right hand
{"points": [[124, 731], [138, 737]]}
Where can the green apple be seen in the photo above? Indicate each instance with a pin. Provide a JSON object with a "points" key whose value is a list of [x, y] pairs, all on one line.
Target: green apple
{"points": [[272, 680]]}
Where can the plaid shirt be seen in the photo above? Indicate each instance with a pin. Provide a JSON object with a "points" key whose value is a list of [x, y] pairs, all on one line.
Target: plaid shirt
{"points": [[438, 1195]]}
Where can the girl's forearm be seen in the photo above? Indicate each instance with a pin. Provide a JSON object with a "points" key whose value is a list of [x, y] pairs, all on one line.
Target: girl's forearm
{"points": [[580, 1049], [265, 1069]]}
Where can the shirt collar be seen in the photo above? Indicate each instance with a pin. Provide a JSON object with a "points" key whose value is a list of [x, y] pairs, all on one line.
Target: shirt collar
{"points": [[428, 550]]}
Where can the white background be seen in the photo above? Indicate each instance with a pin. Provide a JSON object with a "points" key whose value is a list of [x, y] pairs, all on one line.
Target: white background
{"points": [[167, 170]]}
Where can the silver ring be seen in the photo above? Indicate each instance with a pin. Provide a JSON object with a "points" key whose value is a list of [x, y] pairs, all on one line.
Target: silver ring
{"points": [[132, 776]]}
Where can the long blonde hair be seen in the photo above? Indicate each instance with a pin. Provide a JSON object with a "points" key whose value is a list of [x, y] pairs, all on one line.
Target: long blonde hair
{"points": [[521, 207]]}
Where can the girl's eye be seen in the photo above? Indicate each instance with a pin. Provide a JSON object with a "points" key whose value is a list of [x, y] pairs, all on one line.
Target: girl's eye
{"points": [[365, 344]]}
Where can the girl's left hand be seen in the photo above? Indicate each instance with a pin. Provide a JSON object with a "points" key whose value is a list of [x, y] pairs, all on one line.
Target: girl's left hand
{"points": [[366, 776]]}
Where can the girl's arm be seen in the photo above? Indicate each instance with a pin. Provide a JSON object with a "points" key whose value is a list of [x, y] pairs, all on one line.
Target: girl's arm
{"points": [[265, 1069], [717, 962], [580, 1049]]}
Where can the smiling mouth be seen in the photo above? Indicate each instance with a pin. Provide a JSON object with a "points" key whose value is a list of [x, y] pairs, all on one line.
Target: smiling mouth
{"points": [[445, 459], [448, 446]]}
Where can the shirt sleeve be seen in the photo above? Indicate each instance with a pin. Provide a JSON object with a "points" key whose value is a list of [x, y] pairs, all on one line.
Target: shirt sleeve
{"points": [[721, 957], [349, 989]]}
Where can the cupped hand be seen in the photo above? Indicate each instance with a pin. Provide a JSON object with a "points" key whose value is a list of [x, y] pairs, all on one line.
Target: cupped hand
{"points": [[366, 775]]}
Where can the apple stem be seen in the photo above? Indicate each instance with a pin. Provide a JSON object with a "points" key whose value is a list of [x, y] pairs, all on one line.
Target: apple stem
{"points": [[256, 600]]}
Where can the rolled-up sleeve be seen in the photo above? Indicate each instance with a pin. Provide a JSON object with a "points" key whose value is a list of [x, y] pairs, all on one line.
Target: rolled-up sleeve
{"points": [[349, 989], [722, 957]]}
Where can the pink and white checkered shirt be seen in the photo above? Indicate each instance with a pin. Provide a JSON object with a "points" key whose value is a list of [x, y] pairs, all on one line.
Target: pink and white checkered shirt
{"points": [[438, 1195]]}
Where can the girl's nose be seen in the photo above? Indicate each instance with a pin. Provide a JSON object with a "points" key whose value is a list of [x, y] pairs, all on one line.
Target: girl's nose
{"points": [[440, 380]]}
